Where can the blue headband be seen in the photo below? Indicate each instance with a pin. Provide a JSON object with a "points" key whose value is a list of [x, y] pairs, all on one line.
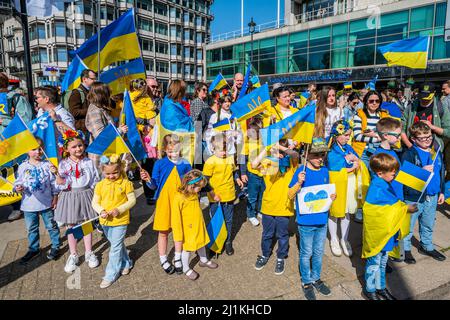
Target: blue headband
{"points": [[194, 181]]}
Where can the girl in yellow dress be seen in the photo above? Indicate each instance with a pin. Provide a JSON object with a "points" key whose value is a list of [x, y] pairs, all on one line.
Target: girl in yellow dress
{"points": [[188, 224]]}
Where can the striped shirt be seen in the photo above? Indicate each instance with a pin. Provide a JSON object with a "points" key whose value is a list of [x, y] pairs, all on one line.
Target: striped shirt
{"points": [[372, 120]]}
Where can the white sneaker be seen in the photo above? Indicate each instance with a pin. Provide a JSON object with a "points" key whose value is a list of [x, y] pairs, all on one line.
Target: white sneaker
{"points": [[105, 284], [254, 221], [91, 260], [346, 248], [335, 248], [15, 215], [71, 263], [259, 215]]}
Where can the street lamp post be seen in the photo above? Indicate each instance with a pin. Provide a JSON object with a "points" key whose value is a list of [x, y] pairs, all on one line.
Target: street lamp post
{"points": [[251, 27]]}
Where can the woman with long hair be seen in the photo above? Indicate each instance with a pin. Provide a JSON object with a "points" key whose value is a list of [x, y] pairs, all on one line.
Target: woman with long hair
{"points": [[327, 112]]}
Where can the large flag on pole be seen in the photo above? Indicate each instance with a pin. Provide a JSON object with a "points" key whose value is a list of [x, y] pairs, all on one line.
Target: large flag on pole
{"points": [[411, 53], [251, 104], [119, 78], [218, 83], [44, 128], [72, 78], [118, 42]]}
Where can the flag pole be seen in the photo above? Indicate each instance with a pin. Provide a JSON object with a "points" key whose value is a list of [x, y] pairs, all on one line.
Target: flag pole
{"points": [[98, 38], [306, 156], [137, 162], [42, 149]]}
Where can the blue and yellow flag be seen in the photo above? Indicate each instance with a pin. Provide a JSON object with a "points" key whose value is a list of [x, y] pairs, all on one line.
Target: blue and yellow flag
{"points": [[246, 79], [304, 96], [223, 125], [118, 42], [411, 53], [217, 231], [413, 176], [384, 216], [447, 192], [299, 127], [119, 78], [251, 104], [347, 85], [44, 128], [372, 83], [81, 230], [108, 142], [72, 78], [16, 140], [255, 81], [392, 109], [218, 83], [133, 140], [7, 195]]}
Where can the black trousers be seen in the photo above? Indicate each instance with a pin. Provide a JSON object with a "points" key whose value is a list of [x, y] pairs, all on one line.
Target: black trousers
{"points": [[147, 165]]}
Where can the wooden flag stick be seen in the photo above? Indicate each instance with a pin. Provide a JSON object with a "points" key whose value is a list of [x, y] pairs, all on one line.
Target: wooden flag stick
{"points": [[306, 156]]}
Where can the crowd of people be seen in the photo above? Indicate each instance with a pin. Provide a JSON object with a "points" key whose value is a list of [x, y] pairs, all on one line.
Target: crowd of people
{"points": [[357, 145]]}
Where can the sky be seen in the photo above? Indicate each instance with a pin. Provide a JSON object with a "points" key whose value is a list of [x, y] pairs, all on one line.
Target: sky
{"points": [[227, 14]]}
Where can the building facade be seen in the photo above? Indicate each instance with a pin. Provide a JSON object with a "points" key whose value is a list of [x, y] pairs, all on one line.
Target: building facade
{"points": [[172, 37], [332, 41]]}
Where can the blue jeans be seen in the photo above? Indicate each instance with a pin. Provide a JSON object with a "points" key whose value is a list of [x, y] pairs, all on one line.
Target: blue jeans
{"points": [[118, 255], [275, 226], [32, 224], [312, 240], [426, 215], [375, 274], [228, 209], [255, 189]]}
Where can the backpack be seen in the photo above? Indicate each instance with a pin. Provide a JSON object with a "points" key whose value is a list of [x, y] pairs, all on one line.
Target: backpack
{"points": [[66, 97]]}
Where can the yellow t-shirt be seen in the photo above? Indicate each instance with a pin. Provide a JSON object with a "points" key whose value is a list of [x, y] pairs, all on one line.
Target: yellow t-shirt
{"points": [[252, 149], [275, 200], [221, 173], [275, 111], [112, 194]]}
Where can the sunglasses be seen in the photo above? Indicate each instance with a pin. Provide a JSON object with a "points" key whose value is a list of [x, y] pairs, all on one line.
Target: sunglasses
{"points": [[374, 101], [204, 90]]}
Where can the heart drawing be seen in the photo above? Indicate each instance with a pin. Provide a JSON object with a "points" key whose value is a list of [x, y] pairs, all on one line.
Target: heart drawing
{"points": [[315, 202]]}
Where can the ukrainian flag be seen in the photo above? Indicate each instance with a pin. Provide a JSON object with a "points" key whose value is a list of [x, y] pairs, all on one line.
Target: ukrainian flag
{"points": [[255, 81], [251, 104], [72, 78], [347, 85], [16, 140], [299, 127], [304, 96], [108, 142], [7, 196], [223, 125], [384, 216], [447, 192], [371, 84], [411, 53], [413, 176], [392, 110], [218, 83], [217, 231], [246, 79], [133, 141], [119, 78], [44, 128], [118, 42], [81, 230]]}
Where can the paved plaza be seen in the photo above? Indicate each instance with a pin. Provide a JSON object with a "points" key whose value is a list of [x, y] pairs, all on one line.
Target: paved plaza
{"points": [[235, 278]]}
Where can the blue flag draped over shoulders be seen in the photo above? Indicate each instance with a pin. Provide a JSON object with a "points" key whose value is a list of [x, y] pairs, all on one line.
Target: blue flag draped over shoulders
{"points": [[174, 117]]}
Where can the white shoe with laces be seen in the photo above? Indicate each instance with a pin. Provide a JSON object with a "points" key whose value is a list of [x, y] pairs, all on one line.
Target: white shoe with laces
{"points": [[254, 221], [91, 260], [335, 248], [346, 248], [71, 263]]}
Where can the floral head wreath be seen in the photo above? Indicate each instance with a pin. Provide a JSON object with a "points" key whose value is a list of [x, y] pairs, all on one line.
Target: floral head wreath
{"points": [[341, 127], [69, 135], [112, 159]]}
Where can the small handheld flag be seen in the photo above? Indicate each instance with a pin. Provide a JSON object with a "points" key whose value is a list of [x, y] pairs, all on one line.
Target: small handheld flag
{"points": [[392, 109], [251, 104], [217, 231], [44, 128], [218, 83], [371, 84], [347, 85], [413, 176], [411, 53], [81, 230], [447, 192], [134, 141], [255, 81], [223, 125], [108, 142]]}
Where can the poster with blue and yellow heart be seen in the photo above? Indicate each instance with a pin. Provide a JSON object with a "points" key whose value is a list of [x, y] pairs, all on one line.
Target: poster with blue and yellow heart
{"points": [[315, 199]]}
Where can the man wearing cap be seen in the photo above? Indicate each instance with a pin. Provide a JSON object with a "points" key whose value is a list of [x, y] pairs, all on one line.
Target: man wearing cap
{"points": [[429, 109]]}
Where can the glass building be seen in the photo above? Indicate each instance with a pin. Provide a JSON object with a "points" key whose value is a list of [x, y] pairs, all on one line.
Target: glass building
{"points": [[343, 46]]}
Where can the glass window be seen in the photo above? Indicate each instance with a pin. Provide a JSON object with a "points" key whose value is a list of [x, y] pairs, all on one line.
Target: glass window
{"points": [[266, 56], [43, 55], [199, 37], [161, 47], [228, 71], [199, 72], [186, 34], [173, 12], [79, 32], [89, 31], [162, 66], [147, 45], [361, 44], [199, 54], [298, 51], [394, 27], [110, 13], [319, 49], [161, 28], [32, 31], [339, 46], [173, 49], [145, 4], [282, 54], [62, 54], [422, 18], [215, 55], [60, 29], [34, 57], [144, 24], [41, 31], [441, 10], [87, 8], [441, 49], [227, 53], [173, 67], [160, 9]]}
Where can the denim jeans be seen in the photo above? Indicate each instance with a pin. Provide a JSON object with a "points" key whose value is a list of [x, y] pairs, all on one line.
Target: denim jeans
{"points": [[228, 209], [275, 226], [118, 255], [32, 224], [312, 240], [426, 215], [255, 189], [375, 274]]}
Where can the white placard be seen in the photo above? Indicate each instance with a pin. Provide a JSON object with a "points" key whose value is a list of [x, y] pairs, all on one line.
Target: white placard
{"points": [[315, 199]]}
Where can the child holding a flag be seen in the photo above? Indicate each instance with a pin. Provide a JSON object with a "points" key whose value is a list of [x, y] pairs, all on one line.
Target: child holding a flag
{"points": [[39, 197], [188, 224], [276, 208], [385, 221], [113, 199], [312, 227], [166, 179], [76, 178], [422, 155], [351, 178], [221, 171]]}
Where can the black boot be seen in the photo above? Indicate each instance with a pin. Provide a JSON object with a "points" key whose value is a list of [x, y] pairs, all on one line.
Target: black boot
{"points": [[229, 248], [385, 295]]}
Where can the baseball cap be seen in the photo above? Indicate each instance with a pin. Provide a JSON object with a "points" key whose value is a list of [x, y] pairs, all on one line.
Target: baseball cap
{"points": [[426, 91]]}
